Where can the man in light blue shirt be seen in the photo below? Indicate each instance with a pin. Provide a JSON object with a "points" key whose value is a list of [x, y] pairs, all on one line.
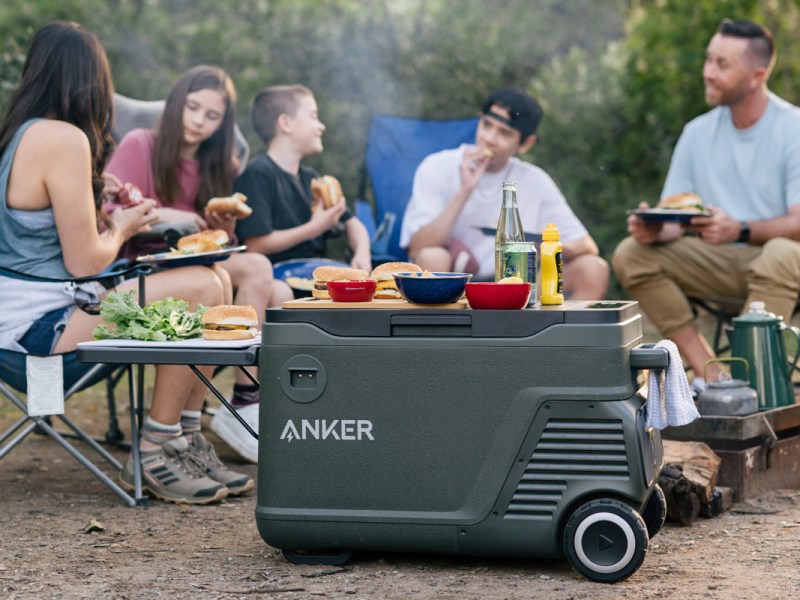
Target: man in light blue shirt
{"points": [[743, 159]]}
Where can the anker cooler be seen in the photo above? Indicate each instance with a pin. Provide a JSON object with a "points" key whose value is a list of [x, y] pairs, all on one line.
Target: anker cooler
{"points": [[497, 433]]}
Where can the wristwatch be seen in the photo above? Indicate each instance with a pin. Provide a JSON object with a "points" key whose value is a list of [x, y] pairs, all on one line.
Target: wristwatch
{"points": [[744, 232]]}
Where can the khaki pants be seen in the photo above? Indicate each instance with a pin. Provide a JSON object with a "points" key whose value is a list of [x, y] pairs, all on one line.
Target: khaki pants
{"points": [[660, 277]]}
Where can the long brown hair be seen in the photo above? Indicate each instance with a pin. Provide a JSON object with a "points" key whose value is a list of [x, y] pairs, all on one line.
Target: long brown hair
{"points": [[66, 77], [215, 155]]}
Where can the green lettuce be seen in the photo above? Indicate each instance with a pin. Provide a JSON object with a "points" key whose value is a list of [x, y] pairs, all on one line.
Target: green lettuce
{"points": [[159, 321]]}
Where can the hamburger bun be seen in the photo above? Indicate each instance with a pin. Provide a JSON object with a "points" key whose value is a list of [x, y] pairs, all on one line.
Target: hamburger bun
{"points": [[684, 201], [229, 322], [322, 275], [203, 241], [327, 192], [231, 204], [384, 275]]}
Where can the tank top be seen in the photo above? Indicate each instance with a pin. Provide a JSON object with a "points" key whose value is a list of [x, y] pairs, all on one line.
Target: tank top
{"points": [[28, 243]]}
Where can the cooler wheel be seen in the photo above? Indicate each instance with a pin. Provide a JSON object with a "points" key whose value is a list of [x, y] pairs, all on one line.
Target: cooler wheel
{"points": [[300, 557], [655, 511], [605, 540]]}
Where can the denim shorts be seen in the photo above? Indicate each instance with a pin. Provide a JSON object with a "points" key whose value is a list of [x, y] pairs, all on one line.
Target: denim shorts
{"points": [[42, 336]]}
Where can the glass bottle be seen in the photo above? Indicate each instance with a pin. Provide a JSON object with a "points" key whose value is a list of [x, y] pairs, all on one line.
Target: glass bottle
{"points": [[514, 257]]}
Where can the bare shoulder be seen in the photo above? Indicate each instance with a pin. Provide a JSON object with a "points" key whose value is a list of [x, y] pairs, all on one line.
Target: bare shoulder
{"points": [[54, 137]]}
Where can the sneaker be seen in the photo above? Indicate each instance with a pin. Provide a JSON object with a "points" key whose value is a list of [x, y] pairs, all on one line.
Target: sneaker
{"points": [[172, 475], [225, 425], [205, 456]]}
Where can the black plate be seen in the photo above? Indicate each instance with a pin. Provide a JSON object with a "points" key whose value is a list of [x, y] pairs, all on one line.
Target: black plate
{"points": [[167, 259], [661, 215]]}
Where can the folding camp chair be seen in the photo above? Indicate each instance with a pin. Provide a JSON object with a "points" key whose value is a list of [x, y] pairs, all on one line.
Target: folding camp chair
{"points": [[13, 377], [395, 148]]}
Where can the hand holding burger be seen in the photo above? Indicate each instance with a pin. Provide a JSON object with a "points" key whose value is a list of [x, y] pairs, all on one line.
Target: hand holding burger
{"points": [[327, 192], [230, 322]]}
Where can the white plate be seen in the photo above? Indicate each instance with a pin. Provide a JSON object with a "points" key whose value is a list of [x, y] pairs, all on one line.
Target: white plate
{"points": [[192, 343]]}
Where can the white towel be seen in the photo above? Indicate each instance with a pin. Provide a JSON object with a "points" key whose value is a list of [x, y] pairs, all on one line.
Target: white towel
{"points": [[669, 399]]}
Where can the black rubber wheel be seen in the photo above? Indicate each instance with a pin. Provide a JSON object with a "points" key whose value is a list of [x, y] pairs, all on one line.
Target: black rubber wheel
{"points": [[300, 557], [655, 511], [605, 540]]}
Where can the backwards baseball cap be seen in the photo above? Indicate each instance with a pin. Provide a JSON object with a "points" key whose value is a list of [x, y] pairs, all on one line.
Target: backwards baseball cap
{"points": [[524, 111]]}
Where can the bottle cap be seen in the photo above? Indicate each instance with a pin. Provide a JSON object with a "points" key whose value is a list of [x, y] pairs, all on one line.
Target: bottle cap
{"points": [[510, 185], [551, 233]]}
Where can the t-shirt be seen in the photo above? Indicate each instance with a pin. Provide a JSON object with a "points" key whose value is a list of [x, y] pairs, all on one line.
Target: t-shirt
{"points": [[132, 162], [540, 202], [751, 174], [280, 200]]}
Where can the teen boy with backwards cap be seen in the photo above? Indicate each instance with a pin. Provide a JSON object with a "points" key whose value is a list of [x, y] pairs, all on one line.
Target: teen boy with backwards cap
{"points": [[457, 191]]}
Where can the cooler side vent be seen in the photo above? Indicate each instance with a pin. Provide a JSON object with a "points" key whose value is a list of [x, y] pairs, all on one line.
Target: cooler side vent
{"points": [[568, 450]]}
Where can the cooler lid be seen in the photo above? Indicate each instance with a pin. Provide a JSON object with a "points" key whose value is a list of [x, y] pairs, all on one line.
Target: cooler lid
{"points": [[424, 322]]}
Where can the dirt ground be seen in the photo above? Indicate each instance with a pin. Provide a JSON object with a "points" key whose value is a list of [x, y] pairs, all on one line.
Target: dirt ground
{"points": [[47, 500]]}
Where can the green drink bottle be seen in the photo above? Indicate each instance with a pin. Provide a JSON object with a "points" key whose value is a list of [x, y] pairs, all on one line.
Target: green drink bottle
{"points": [[513, 256]]}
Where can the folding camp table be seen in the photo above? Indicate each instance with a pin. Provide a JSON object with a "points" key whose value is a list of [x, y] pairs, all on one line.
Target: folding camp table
{"points": [[192, 353]]}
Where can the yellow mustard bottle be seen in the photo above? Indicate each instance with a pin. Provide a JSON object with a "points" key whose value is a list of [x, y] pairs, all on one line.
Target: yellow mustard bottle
{"points": [[552, 275]]}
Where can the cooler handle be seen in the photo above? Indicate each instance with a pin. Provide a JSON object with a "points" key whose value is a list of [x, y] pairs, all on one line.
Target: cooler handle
{"points": [[647, 356]]}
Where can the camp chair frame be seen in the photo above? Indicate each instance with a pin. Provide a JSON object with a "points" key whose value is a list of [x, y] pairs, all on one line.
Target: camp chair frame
{"points": [[27, 424]]}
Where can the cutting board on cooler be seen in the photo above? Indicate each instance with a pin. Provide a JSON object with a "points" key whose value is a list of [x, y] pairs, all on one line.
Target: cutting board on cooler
{"points": [[384, 304]]}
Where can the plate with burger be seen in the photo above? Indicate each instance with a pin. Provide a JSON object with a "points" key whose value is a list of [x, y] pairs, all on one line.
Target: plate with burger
{"points": [[201, 248], [229, 322], [679, 208]]}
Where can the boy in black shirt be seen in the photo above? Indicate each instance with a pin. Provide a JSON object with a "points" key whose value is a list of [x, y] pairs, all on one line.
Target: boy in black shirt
{"points": [[277, 187]]}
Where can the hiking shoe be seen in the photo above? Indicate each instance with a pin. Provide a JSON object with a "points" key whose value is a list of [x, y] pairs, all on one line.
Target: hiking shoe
{"points": [[173, 475], [205, 456], [225, 425]]}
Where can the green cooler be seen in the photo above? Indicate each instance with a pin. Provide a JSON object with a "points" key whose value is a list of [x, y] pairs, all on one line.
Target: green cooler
{"points": [[496, 433]]}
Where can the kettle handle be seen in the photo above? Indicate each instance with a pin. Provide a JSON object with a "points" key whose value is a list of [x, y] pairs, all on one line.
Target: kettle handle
{"points": [[734, 359], [796, 333]]}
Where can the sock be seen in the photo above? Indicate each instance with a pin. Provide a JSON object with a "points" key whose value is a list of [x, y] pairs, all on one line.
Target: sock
{"points": [[155, 434], [244, 395], [190, 422]]}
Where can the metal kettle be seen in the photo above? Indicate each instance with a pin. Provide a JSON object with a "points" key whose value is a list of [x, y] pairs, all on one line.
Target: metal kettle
{"points": [[727, 397], [759, 337]]}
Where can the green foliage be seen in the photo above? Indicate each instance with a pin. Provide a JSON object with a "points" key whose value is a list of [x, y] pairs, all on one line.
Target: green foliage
{"points": [[618, 80]]}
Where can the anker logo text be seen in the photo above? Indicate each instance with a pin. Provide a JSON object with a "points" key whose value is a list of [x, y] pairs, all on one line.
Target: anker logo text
{"points": [[338, 429]]}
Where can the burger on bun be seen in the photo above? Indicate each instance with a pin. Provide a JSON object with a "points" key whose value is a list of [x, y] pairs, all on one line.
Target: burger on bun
{"points": [[384, 275], [203, 241], [686, 201], [231, 204], [327, 192], [229, 322], [322, 275]]}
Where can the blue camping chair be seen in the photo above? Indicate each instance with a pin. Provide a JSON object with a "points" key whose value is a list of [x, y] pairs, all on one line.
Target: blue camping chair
{"points": [[395, 148]]}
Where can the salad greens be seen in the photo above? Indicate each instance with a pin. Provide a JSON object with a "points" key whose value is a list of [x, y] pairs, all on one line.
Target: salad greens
{"points": [[159, 321]]}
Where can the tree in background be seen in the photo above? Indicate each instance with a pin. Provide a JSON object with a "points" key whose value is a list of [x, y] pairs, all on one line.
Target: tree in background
{"points": [[618, 79]]}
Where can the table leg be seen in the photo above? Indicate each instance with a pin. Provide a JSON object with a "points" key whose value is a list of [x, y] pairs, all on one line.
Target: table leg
{"points": [[221, 398]]}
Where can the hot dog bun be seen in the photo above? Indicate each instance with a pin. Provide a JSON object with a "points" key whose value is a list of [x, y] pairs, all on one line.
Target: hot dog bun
{"points": [[231, 204], [327, 192]]}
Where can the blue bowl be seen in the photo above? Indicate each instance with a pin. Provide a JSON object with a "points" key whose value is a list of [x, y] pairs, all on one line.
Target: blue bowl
{"points": [[442, 288]]}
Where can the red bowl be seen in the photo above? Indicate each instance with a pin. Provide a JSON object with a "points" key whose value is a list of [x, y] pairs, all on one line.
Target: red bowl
{"points": [[362, 290], [498, 296]]}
